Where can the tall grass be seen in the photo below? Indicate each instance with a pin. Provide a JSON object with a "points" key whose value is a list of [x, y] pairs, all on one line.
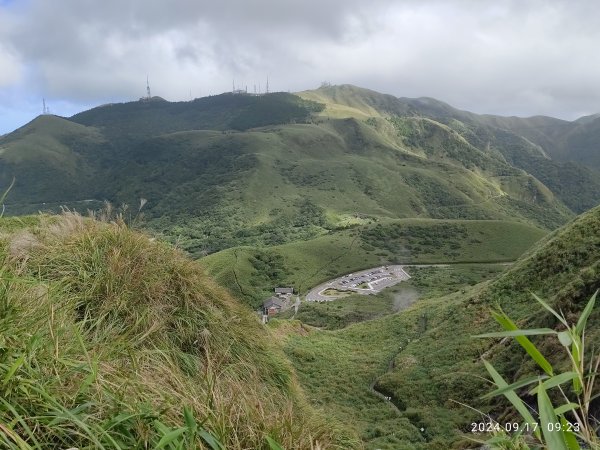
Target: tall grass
{"points": [[568, 425], [109, 340]]}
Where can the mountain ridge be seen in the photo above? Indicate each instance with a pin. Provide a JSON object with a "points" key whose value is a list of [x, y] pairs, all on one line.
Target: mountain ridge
{"points": [[359, 152]]}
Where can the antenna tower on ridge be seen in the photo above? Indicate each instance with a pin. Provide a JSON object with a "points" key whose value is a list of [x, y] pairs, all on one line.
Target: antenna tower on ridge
{"points": [[45, 109], [149, 96], [267, 84]]}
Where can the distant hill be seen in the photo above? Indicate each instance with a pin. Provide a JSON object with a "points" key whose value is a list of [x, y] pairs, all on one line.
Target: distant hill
{"points": [[577, 141], [231, 170], [218, 112], [563, 155]]}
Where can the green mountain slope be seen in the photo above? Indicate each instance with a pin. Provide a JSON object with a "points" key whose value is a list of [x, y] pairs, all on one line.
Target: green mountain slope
{"points": [[577, 141], [560, 154], [581, 144], [296, 181], [233, 170], [52, 160], [219, 112], [424, 358]]}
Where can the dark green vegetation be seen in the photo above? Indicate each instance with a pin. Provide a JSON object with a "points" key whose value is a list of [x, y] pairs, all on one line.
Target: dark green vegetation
{"points": [[451, 241], [425, 358], [111, 341], [563, 141], [436, 281], [252, 272], [232, 170], [340, 313], [103, 153]]}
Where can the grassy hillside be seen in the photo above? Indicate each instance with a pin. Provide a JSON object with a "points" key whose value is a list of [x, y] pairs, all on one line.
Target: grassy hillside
{"points": [[582, 144], [576, 185], [232, 170], [111, 340], [50, 160], [425, 359], [252, 272], [299, 181], [57, 160], [561, 154], [558, 139]]}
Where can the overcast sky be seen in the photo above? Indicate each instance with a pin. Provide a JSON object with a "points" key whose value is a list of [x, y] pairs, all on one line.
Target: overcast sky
{"points": [[503, 57]]}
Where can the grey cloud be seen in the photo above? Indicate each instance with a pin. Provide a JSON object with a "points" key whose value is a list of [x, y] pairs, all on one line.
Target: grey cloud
{"points": [[507, 56], [70, 41]]}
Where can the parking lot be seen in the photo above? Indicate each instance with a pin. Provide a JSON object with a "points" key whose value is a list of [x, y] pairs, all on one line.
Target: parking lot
{"points": [[369, 281]]}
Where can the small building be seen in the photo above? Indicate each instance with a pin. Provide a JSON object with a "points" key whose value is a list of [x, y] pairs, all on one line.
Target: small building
{"points": [[284, 290], [272, 306]]}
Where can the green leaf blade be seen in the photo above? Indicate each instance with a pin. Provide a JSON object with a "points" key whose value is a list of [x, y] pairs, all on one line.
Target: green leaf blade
{"points": [[170, 437], [515, 333], [511, 396], [512, 387], [567, 407], [273, 445], [549, 308], [555, 381], [570, 438], [211, 440], [524, 342], [585, 314], [555, 440], [565, 338]]}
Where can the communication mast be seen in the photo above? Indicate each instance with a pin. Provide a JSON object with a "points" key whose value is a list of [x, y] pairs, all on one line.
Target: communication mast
{"points": [[45, 109], [267, 84], [149, 96], [238, 90]]}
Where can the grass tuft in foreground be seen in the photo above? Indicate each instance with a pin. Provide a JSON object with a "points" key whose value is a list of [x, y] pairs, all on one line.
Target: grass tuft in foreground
{"points": [[109, 340]]}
